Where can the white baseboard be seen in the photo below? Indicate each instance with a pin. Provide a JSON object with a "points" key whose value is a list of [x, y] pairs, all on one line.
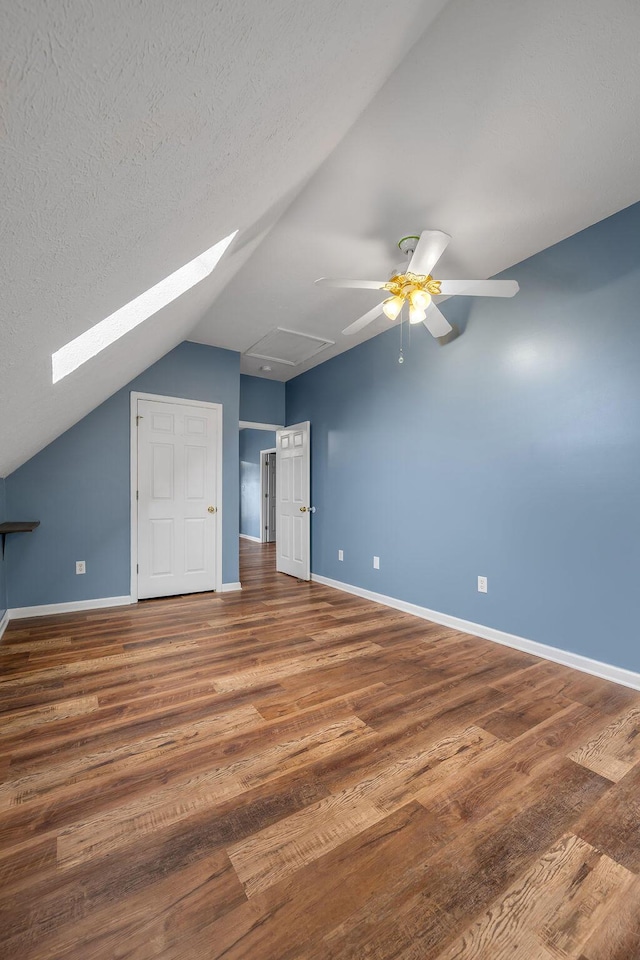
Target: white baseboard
{"points": [[46, 609], [245, 536], [4, 621], [606, 671], [230, 587]]}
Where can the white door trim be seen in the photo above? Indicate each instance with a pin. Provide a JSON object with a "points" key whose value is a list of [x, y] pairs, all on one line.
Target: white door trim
{"points": [[252, 425], [133, 457], [262, 517]]}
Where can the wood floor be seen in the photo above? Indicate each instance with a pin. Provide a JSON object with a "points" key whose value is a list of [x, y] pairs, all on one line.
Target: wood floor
{"points": [[292, 772]]}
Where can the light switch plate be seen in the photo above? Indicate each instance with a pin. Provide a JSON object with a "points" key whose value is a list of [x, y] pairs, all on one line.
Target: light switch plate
{"points": [[376, 563]]}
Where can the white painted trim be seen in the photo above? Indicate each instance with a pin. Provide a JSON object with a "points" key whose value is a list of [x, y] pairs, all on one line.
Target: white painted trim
{"points": [[231, 587], [4, 622], [133, 460], [305, 483], [245, 536], [261, 538], [251, 425], [606, 671], [47, 609]]}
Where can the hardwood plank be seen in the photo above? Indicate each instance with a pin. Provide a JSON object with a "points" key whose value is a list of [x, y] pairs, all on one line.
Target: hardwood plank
{"points": [[522, 714], [282, 849], [613, 824], [160, 809], [618, 935], [419, 915], [615, 750], [550, 911], [293, 772], [275, 672], [22, 721]]}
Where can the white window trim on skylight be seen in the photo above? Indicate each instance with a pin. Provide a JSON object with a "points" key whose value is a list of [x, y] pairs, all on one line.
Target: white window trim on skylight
{"points": [[103, 334]]}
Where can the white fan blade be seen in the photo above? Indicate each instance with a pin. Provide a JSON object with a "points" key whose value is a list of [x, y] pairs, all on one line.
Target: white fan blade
{"points": [[479, 288], [356, 284], [436, 322], [431, 245], [368, 317]]}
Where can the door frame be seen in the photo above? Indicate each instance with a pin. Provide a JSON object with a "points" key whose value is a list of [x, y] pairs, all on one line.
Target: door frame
{"points": [[262, 517], [133, 462]]}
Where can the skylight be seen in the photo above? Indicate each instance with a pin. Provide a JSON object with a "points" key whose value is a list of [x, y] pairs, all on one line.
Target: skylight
{"points": [[103, 334]]}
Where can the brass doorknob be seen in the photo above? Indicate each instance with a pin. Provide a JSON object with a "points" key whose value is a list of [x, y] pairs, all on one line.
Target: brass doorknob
{"points": [[303, 509], [211, 509]]}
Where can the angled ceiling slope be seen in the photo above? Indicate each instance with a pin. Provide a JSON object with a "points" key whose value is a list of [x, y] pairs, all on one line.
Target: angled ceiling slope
{"points": [[135, 136], [509, 125]]}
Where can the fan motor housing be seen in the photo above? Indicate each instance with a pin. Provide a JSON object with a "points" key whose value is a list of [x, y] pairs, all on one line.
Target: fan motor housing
{"points": [[408, 244]]}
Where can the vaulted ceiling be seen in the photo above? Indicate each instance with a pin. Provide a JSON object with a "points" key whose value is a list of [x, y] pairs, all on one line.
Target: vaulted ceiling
{"points": [[135, 136]]}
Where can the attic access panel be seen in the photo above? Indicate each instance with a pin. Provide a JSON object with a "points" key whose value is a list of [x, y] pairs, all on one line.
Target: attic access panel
{"points": [[288, 347]]}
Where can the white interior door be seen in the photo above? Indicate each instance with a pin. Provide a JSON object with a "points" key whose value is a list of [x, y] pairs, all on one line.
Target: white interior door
{"points": [[293, 514], [178, 497]]}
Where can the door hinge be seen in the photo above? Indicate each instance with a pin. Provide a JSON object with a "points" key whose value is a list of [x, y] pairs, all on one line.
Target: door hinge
{"points": [[137, 568], [139, 417], [137, 494]]}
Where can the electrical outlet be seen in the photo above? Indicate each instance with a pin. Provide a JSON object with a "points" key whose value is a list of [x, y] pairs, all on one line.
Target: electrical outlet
{"points": [[340, 554], [376, 563], [482, 584], [81, 566]]}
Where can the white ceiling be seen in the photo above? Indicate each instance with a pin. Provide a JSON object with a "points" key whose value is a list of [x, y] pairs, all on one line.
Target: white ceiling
{"points": [[136, 136], [509, 125]]}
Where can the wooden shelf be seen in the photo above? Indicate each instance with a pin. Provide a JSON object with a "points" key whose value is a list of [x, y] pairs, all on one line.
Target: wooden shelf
{"points": [[16, 526]]}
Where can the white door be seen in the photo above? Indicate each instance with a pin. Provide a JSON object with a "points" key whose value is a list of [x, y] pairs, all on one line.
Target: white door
{"points": [[293, 515], [178, 498]]}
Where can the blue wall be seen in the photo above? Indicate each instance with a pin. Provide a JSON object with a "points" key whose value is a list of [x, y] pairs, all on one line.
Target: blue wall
{"points": [[78, 487], [251, 443], [262, 401], [513, 453], [3, 563]]}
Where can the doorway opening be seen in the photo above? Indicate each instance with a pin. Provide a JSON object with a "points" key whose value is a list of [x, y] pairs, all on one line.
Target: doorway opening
{"points": [[256, 442], [274, 493], [268, 503]]}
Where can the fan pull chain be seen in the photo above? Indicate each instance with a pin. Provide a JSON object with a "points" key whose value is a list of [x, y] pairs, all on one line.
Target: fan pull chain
{"points": [[401, 357]]}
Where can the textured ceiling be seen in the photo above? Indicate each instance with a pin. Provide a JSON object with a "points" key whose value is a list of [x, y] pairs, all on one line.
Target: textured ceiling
{"points": [[135, 135]]}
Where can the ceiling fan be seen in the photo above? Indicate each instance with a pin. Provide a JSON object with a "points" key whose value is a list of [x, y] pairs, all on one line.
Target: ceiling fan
{"points": [[415, 286]]}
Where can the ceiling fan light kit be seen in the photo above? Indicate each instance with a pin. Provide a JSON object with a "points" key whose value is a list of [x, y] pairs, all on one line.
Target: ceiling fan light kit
{"points": [[416, 287]]}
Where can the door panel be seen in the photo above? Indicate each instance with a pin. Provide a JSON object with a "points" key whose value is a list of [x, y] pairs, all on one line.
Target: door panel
{"points": [[161, 471], [161, 536], [196, 472], [195, 539], [177, 448], [293, 516]]}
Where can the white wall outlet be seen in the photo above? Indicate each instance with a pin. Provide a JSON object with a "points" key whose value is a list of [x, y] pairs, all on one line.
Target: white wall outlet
{"points": [[482, 584], [376, 563], [81, 566], [340, 554]]}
